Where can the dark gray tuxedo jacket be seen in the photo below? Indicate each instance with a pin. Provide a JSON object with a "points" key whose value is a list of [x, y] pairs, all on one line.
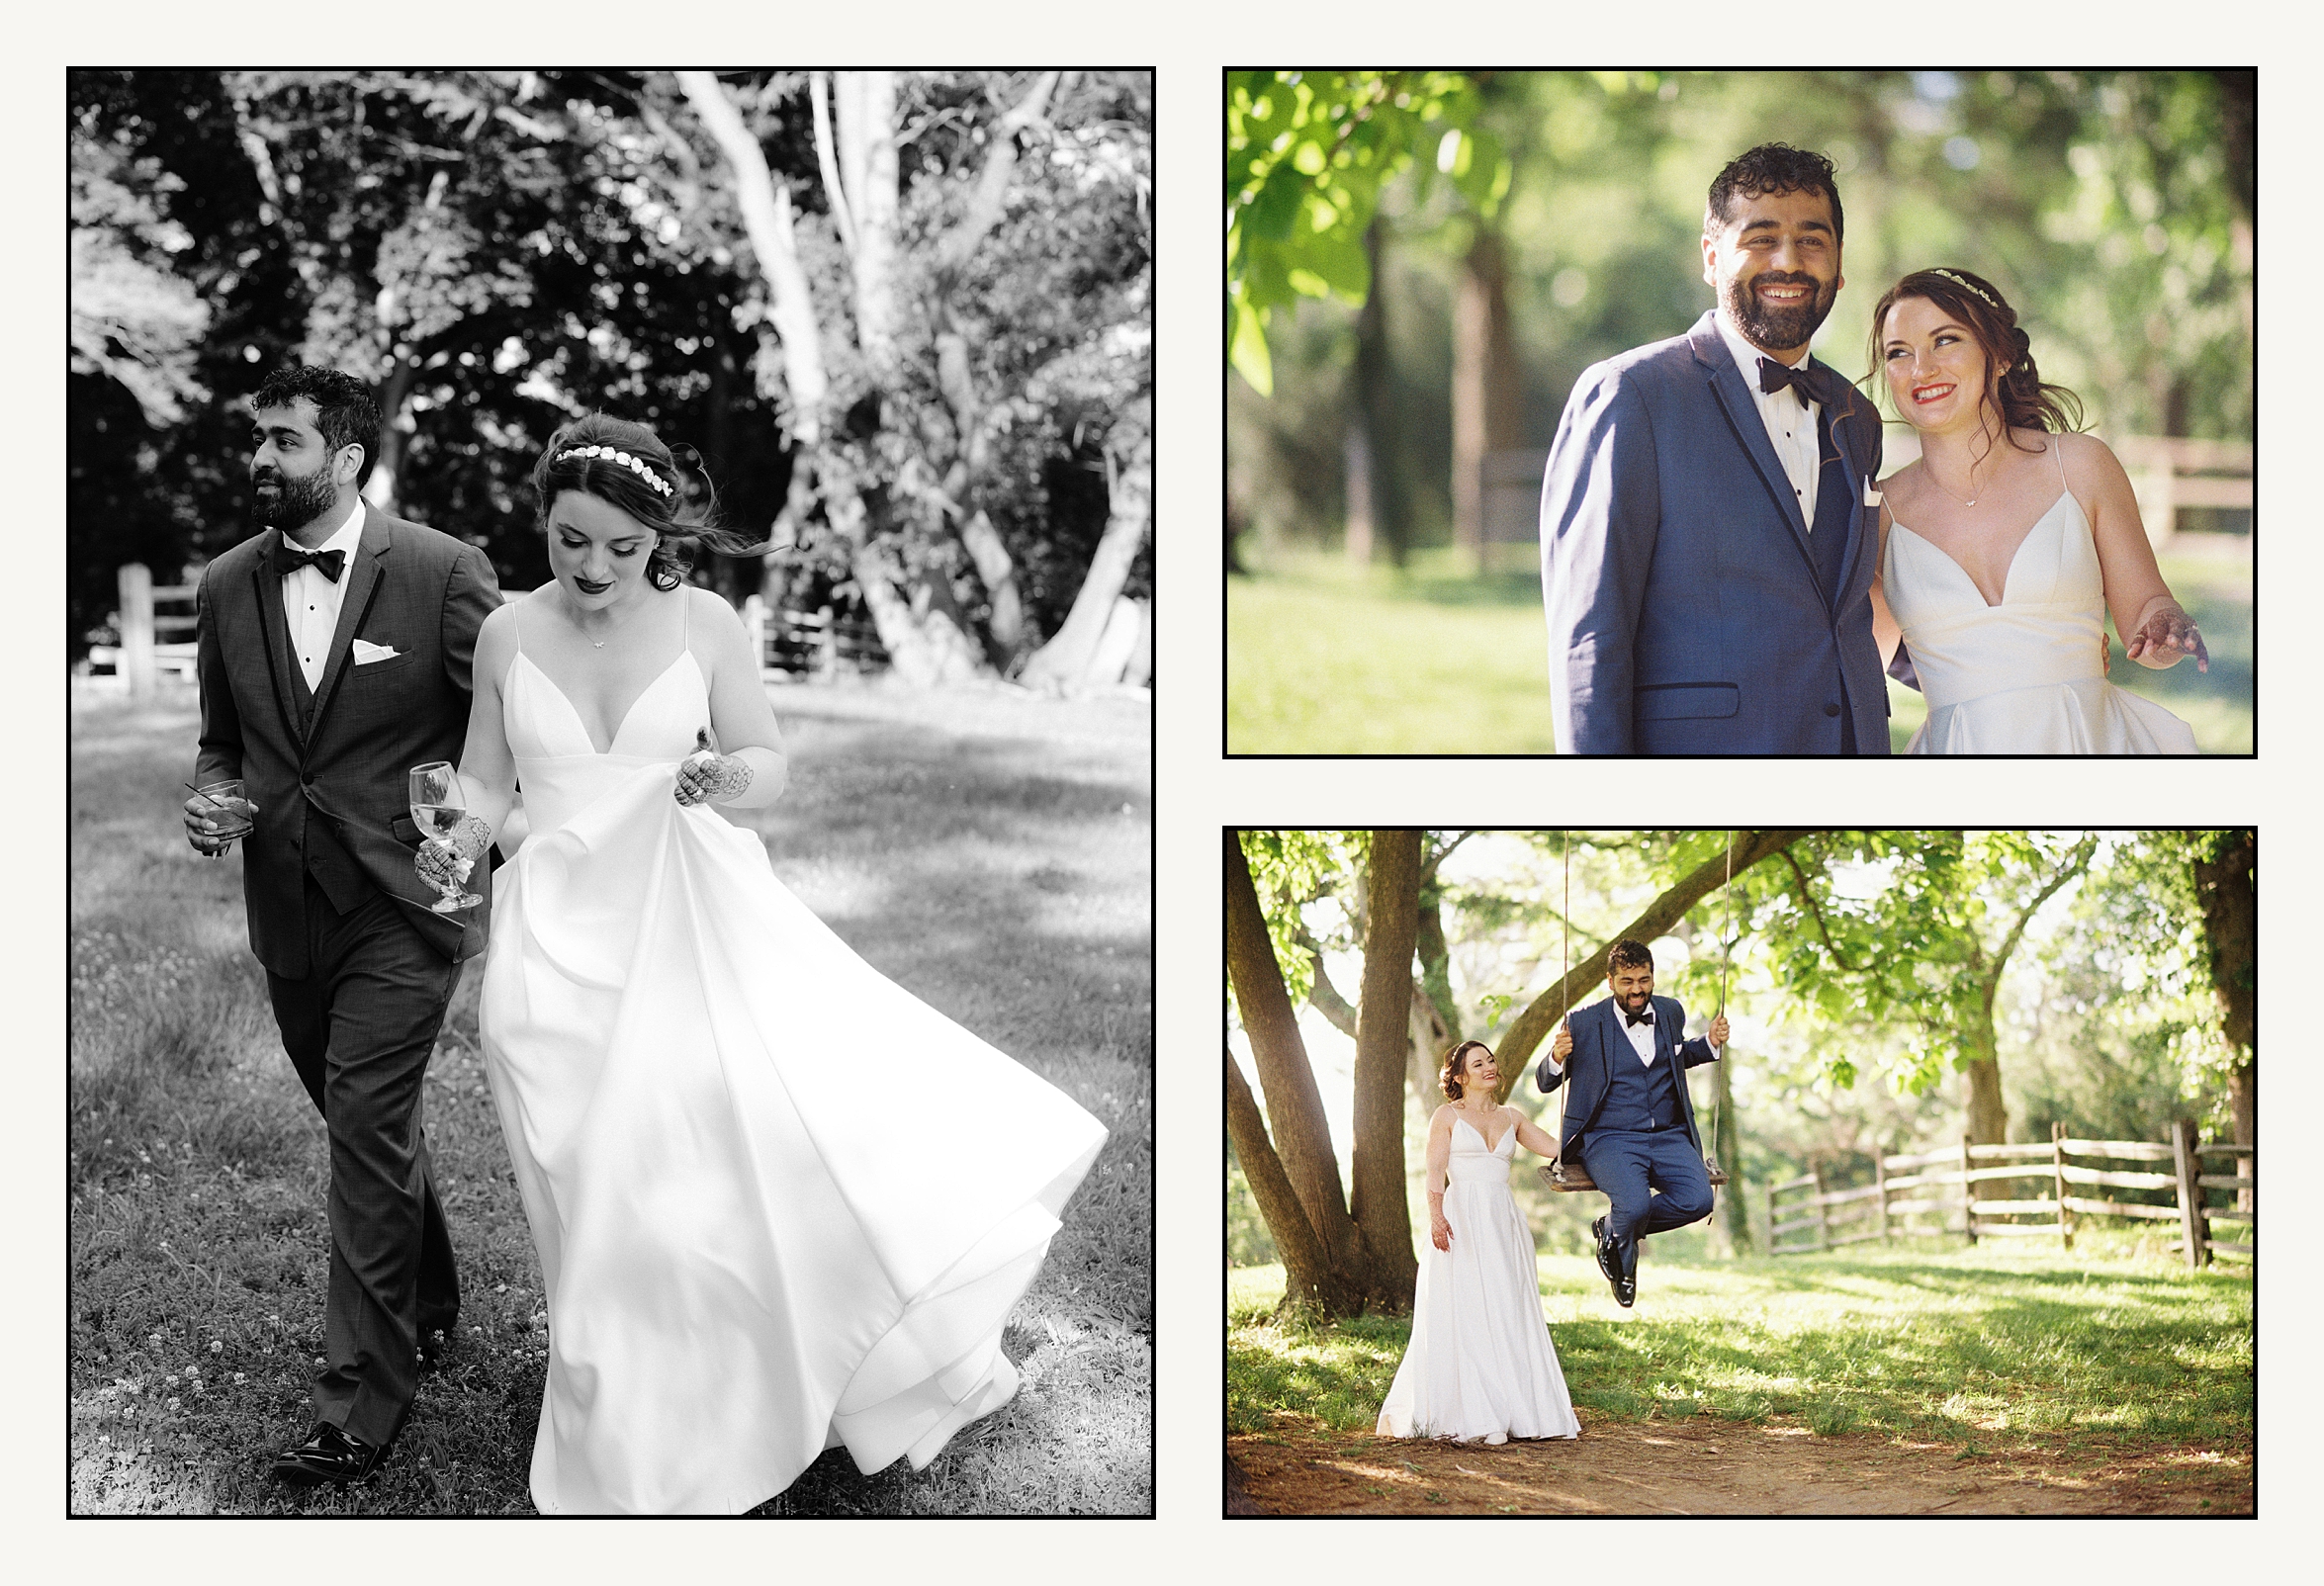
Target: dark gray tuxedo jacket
{"points": [[1685, 613], [342, 766], [1598, 1042]]}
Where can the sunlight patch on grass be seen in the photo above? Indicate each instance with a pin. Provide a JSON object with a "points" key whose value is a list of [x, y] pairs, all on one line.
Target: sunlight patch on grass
{"points": [[1932, 1344]]}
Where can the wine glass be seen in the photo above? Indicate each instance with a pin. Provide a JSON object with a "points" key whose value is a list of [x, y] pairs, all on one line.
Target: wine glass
{"points": [[437, 806]]}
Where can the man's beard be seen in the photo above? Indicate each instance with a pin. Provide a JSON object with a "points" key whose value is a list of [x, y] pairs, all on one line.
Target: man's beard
{"points": [[296, 503], [1766, 326]]}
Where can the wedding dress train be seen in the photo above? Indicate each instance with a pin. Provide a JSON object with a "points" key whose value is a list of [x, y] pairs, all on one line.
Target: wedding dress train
{"points": [[1481, 1364], [744, 1263]]}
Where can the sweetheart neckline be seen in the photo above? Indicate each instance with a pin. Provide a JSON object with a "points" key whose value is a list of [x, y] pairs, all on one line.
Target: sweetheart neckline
{"points": [[1492, 1148], [573, 710], [2031, 529]]}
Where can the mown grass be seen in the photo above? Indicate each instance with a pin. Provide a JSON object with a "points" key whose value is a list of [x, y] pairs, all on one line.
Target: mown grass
{"points": [[990, 854], [1940, 1347], [1328, 659]]}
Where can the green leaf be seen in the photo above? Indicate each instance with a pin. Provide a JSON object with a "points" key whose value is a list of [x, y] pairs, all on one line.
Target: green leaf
{"points": [[1248, 350]]}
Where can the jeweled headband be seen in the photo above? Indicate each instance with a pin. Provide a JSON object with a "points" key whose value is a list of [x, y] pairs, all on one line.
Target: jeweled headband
{"points": [[1966, 286], [636, 465]]}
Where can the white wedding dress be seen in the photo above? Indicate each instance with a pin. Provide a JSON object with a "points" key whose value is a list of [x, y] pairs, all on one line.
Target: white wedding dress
{"points": [[1481, 1365], [743, 1264], [2022, 677]]}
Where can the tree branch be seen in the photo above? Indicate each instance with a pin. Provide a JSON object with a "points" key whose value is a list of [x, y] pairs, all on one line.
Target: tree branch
{"points": [[1807, 897], [1541, 1016], [819, 91]]}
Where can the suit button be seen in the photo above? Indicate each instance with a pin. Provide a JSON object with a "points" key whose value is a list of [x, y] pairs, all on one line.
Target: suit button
{"points": [[1831, 707]]}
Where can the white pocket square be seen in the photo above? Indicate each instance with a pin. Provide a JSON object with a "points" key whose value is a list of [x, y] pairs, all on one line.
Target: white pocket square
{"points": [[366, 651]]}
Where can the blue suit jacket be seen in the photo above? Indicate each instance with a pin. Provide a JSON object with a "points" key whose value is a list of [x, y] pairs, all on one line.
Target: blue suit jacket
{"points": [[1598, 1042], [1684, 612]]}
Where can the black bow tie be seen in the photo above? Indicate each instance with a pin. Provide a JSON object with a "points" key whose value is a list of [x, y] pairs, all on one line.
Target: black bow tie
{"points": [[1645, 1015], [289, 558], [1806, 382]]}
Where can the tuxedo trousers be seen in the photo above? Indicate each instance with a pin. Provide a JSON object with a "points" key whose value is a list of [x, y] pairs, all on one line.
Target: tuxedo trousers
{"points": [[359, 1027], [1630, 1165]]}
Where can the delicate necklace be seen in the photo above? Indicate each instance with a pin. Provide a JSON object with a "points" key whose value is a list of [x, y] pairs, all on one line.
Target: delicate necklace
{"points": [[1949, 495]]}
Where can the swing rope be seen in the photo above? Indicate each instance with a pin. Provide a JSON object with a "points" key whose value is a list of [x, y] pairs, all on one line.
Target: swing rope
{"points": [[1725, 952]]}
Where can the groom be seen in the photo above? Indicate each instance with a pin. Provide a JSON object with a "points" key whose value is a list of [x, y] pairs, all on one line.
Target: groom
{"points": [[1629, 1116], [334, 656], [1707, 554]]}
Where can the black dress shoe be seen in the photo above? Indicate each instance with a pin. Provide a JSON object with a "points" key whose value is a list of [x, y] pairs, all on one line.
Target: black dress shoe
{"points": [[1609, 1254], [328, 1455], [1626, 1279]]}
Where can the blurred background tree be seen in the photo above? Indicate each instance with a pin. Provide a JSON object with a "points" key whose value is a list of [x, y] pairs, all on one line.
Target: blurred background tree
{"points": [[2115, 210], [1995, 983], [501, 251]]}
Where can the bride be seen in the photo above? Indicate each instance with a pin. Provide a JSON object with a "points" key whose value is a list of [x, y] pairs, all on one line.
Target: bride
{"points": [[753, 1248], [1481, 1364], [2004, 548]]}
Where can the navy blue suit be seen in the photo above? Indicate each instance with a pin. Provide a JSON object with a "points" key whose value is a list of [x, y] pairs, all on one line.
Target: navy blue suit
{"points": [[1690, 609], [1630, 1153]]}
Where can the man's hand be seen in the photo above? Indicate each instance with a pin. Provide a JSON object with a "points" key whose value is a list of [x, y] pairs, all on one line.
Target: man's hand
{"points": [[1719, 1030], [1561, 1044], [444, 862], [212, 825]]}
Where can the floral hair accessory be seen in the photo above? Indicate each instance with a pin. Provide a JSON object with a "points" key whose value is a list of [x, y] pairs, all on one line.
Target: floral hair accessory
{"points": [[1965, 285], [636, 465]]}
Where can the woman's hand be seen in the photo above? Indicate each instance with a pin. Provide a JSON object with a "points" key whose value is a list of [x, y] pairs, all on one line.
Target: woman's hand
{"points": [[708, 777], [2166, 632], [445, 862], [1440, 1232]]}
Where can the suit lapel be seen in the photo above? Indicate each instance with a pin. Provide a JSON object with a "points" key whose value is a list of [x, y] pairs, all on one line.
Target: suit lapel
{"points": [[1727, 384], [1856, 456], [276, 635], [363, 581]]}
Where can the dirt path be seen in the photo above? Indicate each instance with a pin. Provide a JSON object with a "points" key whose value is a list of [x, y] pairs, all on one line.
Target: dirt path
{"points": [[1623, 1468]]}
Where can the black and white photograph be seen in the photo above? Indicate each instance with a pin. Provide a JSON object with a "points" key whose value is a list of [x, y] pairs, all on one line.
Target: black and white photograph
{"points": [[611, 867]]}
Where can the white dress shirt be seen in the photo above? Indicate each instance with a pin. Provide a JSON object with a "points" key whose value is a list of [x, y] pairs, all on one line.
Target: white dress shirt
{"points": [[311, 601], [1642, 1036], [1791, 427]]}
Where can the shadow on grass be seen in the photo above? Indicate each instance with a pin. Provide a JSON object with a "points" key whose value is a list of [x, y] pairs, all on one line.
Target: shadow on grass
{"points": [[1002, 877]]}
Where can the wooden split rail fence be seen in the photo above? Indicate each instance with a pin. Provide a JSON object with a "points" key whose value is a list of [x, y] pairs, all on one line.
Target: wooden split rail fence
{"points": [[1909, 1195]]}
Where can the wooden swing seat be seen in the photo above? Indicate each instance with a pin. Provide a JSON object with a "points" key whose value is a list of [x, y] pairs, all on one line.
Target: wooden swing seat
{"points": [[1565, 1176]]}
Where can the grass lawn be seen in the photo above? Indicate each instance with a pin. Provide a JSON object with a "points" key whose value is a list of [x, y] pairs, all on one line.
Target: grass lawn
{"points": [[989, 852], [1954, 1346], [1328, 659]]}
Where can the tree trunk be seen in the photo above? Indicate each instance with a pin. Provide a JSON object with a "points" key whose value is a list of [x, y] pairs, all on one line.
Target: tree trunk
{"points": [[1732, 1228], [1376, 422], [2225, 886], [1062, 664], [1311, 1280], [1988, 1119], [766, 218], [387, 469], [867, 165], [1382, 1042], [1294, 1106], [1488, 414], [1541, 1016]]}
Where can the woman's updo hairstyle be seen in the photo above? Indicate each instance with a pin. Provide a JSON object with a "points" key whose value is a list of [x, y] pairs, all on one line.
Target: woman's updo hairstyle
{"points": [[2013, 389], [626, 465], [1449, 1077]]}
